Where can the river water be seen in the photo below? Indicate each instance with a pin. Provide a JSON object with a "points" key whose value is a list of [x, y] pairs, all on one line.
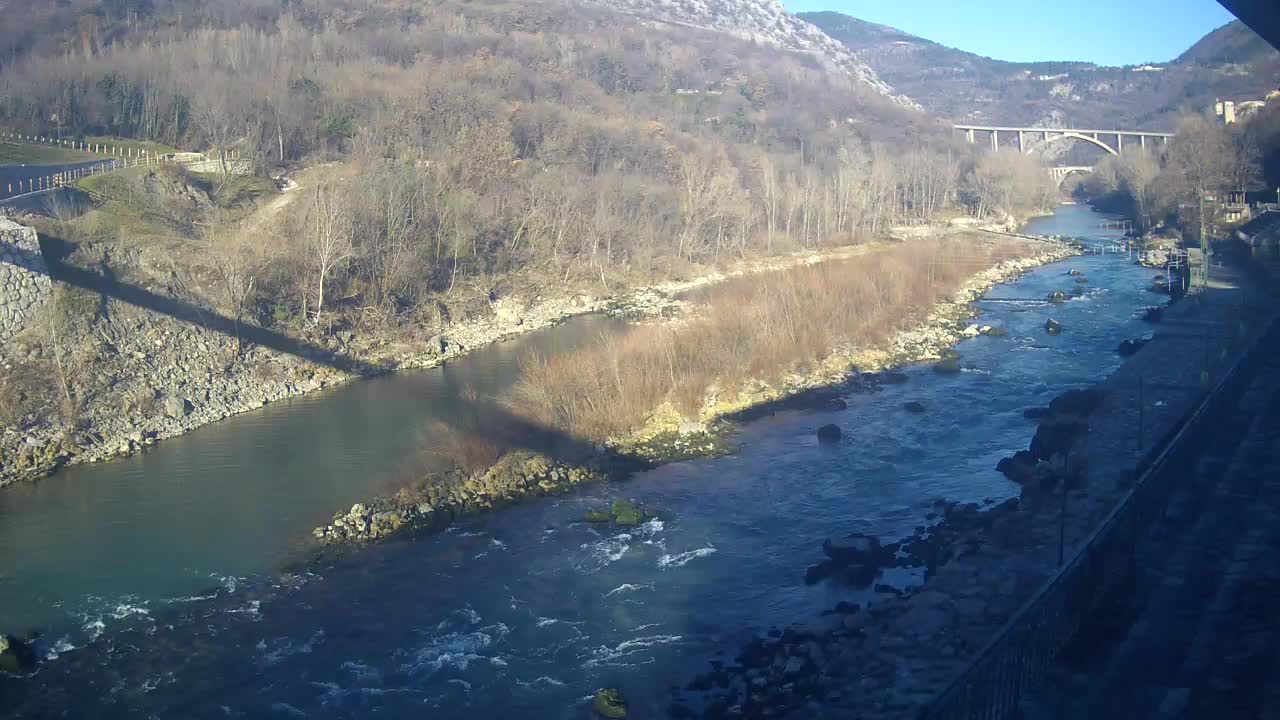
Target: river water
{"points": [[158, 570]]}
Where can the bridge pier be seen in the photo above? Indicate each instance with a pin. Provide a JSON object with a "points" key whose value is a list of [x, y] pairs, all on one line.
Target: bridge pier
{"points": [[1021, 143], [1119, 144], [995, 140]]}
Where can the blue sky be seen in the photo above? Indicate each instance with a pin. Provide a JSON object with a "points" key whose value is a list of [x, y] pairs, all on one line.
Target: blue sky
{"points": [[1107, 32]]}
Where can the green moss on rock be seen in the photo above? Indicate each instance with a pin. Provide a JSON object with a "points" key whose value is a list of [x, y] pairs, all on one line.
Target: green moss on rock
{"points": [[626, 512], [608, 703]]}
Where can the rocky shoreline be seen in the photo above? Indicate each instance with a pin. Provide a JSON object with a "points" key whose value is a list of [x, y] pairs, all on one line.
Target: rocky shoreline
{"points": [[891, 657]]}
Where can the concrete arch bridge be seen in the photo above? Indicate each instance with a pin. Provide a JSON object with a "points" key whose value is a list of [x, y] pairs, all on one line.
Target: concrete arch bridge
{"points": [[1029, 141]]}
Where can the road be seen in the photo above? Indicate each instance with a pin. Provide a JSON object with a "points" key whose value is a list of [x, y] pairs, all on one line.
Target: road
{"points": [[10, 175]]}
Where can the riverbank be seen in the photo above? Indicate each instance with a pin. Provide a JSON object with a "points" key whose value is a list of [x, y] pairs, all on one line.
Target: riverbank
{"points": [[145, 376], [890, 658], [669, 434]]}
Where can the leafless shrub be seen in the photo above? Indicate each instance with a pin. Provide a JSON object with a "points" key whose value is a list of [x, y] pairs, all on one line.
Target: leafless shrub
{"points": [[759, 327]]}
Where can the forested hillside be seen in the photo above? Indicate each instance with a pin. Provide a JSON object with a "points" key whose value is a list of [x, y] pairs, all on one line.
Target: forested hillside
{"points": [[1231, 63], [487, 139]]}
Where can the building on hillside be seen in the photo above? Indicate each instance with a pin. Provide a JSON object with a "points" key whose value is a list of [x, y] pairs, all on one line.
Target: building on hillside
{"points": [[1229, 111]]}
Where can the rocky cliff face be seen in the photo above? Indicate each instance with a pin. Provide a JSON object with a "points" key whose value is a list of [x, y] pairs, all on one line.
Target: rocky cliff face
{"points": [[763, 21], [24, 279]]}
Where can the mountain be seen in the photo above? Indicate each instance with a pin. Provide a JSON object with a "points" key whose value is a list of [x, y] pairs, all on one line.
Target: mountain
{"points": [[1230, 63], [1231, 44], [762, 21]]}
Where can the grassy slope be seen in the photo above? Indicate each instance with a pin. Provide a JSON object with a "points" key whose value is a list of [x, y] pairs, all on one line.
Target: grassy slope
{"points": [[152, 148], [123, 209], [21, 153], [26, 153]]}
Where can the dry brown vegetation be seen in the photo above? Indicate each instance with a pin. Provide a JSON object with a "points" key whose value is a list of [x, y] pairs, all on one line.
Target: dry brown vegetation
{"points": [[760, 327], [465, 441]]}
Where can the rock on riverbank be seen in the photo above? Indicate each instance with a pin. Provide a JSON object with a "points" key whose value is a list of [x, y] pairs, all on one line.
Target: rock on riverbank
{"points": [[442, 497]]}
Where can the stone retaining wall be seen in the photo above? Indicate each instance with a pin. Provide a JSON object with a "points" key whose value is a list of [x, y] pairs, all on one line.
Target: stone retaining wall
{"points": [[24, 278]]}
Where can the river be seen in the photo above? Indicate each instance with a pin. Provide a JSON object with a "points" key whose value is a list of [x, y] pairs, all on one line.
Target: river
{"points": [[154, 578]]}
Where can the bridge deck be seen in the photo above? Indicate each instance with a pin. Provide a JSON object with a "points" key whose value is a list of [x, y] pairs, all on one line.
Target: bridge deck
{"points": [[1127, 133]]}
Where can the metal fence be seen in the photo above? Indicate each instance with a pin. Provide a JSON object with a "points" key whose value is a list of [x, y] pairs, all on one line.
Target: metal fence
{"points": [[70, 176], [992, 684], [123, 156]]}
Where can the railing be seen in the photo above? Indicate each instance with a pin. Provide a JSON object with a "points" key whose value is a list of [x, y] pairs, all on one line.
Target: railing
{"points": [[116, 149], [123, 156], [52, 181], [992, 684]]}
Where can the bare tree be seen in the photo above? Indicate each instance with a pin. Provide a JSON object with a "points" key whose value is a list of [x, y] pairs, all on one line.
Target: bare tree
{"points": [[1199, 170], [328, 238], [1138, 172], [238, 257]]}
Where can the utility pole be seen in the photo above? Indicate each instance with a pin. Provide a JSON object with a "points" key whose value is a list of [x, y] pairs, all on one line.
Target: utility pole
{"points": [[1204, 246]]}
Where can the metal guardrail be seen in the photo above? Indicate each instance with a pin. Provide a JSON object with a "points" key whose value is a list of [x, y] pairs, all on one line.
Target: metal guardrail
{"points": [[992, 684]]}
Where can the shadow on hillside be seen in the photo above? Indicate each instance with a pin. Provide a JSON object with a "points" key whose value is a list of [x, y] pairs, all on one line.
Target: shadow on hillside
{"points": [[499, 424]]}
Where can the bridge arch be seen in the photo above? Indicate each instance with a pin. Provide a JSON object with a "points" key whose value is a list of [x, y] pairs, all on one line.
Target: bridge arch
{"points": [[1073, 136], [1060, 174]]}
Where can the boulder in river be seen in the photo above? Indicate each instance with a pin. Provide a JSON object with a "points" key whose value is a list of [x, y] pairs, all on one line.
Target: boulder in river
{"points": [[834, 404], [856, 547], [1020, 467], [1074, 272], [1055, 436], [1076, 402], [913, 407], [626, 512], [993, 331], [855, 559], [1057, 296], [1082, 280], [609, 703], [947, 366], [16, 656], [1128, 348], [829, 434], [1053, 327], [1153, 314], [598, 516]]}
